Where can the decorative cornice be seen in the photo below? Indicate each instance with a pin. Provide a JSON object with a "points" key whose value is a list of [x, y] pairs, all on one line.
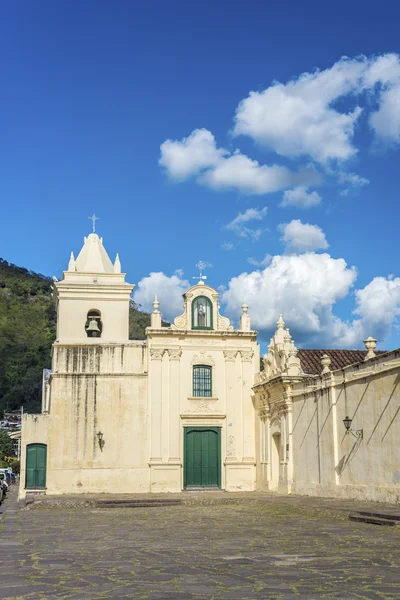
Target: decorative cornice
{"points": [[230, 333]]}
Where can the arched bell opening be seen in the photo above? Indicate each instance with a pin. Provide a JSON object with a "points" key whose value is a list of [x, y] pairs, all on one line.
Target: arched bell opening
{"points": [[93, 326]]}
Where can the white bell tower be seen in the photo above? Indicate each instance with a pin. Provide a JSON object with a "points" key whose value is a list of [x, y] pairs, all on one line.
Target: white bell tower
{"points": [[92, 299]]}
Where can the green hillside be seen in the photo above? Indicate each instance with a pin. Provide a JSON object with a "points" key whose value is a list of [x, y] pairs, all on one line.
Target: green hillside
{"points": [[27, 331]]}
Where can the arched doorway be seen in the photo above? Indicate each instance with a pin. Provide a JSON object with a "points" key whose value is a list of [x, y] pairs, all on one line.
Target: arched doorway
{"points": [[275, 459], [36, 460]]}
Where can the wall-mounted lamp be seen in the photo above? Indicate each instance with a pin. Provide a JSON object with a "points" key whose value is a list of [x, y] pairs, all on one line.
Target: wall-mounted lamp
{"points": [[358, 433], [100, 439]]}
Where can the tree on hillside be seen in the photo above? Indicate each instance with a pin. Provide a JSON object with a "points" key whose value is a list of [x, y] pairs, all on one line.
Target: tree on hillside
{"points": [[6, 445]]}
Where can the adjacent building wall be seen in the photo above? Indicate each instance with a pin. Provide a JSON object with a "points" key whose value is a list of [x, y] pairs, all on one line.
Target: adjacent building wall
{"points": [[325, 461]]}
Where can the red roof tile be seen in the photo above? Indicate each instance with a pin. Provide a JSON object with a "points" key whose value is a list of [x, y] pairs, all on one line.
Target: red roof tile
{"points": [[310, 360]]}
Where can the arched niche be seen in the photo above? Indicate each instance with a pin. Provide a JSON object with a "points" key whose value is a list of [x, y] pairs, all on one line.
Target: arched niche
{"points": [[93, 325]]}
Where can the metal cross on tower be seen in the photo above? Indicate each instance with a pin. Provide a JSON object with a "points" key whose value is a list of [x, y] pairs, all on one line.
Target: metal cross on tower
{"points": [[94, 219], [201, 265]]}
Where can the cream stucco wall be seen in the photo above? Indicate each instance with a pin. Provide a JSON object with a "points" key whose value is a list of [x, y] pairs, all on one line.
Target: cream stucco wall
{"points": [[234, 358], [322, 459], [92, 389]]}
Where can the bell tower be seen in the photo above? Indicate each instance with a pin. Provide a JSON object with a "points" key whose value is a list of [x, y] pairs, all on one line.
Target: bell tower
{"points": [[92, 299]]}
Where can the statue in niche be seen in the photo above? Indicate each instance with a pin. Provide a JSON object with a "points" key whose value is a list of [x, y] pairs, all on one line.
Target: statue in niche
{"points": [[201, 315]]}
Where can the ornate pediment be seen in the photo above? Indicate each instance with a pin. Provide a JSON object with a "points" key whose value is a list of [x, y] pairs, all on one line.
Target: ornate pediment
{"points": [[218, 322], [281, 358]]}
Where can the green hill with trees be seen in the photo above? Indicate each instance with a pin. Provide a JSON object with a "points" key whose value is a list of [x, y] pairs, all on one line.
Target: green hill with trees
{"points": [[27, 331]]}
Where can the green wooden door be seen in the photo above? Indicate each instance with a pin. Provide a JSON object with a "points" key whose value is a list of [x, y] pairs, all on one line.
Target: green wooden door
{"points": [[202, 456], [36, 456]]}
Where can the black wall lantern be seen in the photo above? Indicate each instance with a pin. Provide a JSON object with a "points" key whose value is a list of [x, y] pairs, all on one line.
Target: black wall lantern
{"points": [[101, 441], [358, 433]]}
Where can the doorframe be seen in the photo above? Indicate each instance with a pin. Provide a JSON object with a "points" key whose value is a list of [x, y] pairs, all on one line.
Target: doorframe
{"points": [[217, 430]]}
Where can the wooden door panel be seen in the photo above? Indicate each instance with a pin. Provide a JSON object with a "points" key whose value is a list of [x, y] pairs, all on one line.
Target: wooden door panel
{"points": [[36, 458], [202, 457]]}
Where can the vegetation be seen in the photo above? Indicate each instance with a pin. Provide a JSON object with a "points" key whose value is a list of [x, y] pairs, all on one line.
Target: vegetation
{"points": [[6, 446], [27, 331], [16, 467]]}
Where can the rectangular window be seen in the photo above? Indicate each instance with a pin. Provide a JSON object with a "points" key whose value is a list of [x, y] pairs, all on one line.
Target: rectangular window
{"points": [[202, 384]]}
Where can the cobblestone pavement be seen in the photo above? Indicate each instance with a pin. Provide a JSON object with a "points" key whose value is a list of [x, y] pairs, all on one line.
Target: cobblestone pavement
{"points": [[254, 549]]}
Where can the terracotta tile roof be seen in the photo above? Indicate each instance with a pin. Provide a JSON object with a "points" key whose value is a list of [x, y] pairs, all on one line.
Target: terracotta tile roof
{"points": [[310, 360]]}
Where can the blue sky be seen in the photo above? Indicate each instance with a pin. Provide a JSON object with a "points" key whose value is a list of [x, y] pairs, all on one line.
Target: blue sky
{"points": [[94, 94]]}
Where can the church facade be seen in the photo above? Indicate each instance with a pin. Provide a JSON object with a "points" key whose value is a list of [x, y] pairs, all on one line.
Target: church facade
{"points": [[173, 412], [189, 408]]}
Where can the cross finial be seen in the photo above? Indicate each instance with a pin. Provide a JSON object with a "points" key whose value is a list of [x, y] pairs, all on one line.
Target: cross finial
{"points": [[94, 219], [201, 265]]}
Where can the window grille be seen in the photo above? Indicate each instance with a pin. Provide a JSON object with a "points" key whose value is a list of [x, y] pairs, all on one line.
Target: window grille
{"points": [[202, 381]]}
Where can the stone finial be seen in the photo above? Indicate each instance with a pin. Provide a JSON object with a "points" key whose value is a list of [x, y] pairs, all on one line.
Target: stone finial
{"points": [[280, 324], [71, 264], [370, 345], [117, 264], [326, 363], [155, 315], [244, 318]]}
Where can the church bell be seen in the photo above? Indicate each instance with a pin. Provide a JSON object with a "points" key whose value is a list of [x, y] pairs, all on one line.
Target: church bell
{"points": [[93, 328]]}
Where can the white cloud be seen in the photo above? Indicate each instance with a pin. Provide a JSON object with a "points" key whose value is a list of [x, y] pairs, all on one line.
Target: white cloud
{"points": [[386, 121], [227, 246], [260, 263], [377, 307], [249, 177], [169, 291], [197, 155], [238, 225], [305, 289], [301, 198], [301, 118], [192, 154], [312, 116], [302, 287], [302, 237], [298, 118], [353, 179], [384, 74]]}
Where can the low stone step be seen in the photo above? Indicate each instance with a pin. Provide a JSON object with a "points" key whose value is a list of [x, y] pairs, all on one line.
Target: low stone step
{"points": [[140, 500], [203, 489], [372, 520], [137, 505], [380, 514]]}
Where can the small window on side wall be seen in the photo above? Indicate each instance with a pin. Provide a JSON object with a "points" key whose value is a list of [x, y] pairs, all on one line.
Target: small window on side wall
{"points": [[202, 313], [202, 381], [93, 326]]}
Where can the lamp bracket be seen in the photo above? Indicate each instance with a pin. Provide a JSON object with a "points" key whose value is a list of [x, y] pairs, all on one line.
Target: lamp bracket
{"points": [[357, 433]]}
